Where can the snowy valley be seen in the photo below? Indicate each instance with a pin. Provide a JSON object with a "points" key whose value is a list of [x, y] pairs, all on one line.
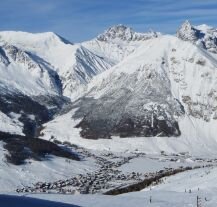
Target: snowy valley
{"points": [[126, 118]]}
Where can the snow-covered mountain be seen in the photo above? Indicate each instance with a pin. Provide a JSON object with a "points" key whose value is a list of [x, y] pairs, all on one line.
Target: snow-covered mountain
{"points": [[122, 83], [167, 88], [24, 72], [55, 66], [203, 35], [118, 42], [165, 80], [74, 65], [123, 33], [116, 112], [43, 71]]}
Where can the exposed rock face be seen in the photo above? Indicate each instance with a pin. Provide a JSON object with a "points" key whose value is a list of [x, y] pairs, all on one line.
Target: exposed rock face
{"points": [[132, 107], [202, 35], [32, 111], [124, 33], [3, 58], [87, 65], [187, 32], [208, 37]]}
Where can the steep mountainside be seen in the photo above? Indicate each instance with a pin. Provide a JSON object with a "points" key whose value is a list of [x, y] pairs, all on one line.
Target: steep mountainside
{"points": [[29, 88], [41, 72], [74, 64], [22, 72], [144, 94], [167, 87]]}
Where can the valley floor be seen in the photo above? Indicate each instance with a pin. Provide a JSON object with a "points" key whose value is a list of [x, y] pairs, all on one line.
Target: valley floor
{"points": [[106, 171], [199, 185]]}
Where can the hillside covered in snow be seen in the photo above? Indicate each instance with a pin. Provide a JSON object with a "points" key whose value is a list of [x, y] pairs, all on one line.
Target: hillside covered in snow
{"points": [[120, 112], [165, 88]]}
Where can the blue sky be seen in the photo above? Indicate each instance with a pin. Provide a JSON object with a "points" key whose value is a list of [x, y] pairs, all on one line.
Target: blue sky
{"points": [[79, 20]]}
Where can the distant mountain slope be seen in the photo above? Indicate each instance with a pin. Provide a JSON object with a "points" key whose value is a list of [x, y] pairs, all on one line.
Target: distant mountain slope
{"points": [[41, 72], [122, 83], [164, 78], [167, 88], [25, 72], [55, 66], [74, 65]]}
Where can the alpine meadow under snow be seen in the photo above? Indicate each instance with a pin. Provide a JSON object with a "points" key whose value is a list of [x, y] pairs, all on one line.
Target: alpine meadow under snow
{"points": [[102, 119]]}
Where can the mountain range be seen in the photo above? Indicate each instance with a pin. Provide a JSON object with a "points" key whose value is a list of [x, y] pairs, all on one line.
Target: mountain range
{"points": [[120, 84]]}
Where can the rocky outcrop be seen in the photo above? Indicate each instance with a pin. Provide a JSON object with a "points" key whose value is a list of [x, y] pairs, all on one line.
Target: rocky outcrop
{"points": [[123, 33]]}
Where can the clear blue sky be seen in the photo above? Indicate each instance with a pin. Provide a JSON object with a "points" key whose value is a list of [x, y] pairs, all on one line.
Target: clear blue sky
{"points": [[79, 20]]}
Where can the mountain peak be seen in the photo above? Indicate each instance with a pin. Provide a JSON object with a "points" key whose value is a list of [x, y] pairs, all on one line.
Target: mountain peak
{"points": [[121, 32], [187, 24], [203, 35], [120, 28], [25, 38], [187, 32]]}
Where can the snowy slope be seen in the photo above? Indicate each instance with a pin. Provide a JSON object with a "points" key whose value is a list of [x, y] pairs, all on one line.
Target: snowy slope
{"points": [[52, 168], [170, 193], [118, 42], [80, 72], [161, 72], [10, 124], [165, 79], [199, 141], [24, 73], [29, 87], [74, 65], [189, 71]]}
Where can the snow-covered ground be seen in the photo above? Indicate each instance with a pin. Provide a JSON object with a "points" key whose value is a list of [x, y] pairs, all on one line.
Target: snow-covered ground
{"points": [[199, 141], [159, 199], [153, 163], [10, 124], [51, 169], [175, 191], [180, 190]]}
